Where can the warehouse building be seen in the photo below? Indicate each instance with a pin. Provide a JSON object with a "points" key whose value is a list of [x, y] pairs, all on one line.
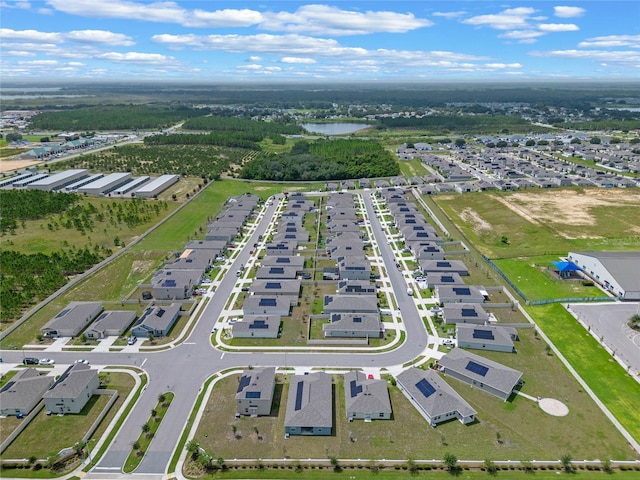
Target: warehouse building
{"points": [[616, 272], [156, 186], [58, 180], [129, 187], [27, 181], [72, 187], [106, 184]]}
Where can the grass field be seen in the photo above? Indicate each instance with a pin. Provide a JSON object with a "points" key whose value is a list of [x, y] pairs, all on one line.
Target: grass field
{"points": [[617, 390], [412, 168], [526, 432], [50, 434]]}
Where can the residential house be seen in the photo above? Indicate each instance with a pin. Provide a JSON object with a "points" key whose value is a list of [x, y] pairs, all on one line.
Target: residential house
{"points": [[350, 304], [110, 323], [435, 279], [72, 319], [444, 266], [156, 320], [464, 313], [254, 395], [479, 372], [169, 284], [356, 287], [280, 273], [23, 392], [257, 326], [71, 392], [354, 268], [460, 294], [286, 288], [489, 337], [309, 405], [436, 401], [354, 325], [295, 261], [366, 399], [266, 305]]}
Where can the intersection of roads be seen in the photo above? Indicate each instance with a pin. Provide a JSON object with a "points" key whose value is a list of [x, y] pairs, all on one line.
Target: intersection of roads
{"points": [[185, 366]]}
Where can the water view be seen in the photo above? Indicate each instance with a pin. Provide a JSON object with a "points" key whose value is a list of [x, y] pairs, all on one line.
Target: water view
{"points": [[334, 128]]}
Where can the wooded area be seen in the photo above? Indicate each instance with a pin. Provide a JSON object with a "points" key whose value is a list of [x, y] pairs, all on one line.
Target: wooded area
{"points": [[20, 205], [463, 124], [324, 160]]}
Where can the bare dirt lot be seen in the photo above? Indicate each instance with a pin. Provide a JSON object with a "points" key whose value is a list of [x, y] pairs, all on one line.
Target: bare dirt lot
{"points": [[570, 207], [8, 165]]}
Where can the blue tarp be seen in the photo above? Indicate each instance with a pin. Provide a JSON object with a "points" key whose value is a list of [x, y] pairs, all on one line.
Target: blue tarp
{"points": [[565, 267]]}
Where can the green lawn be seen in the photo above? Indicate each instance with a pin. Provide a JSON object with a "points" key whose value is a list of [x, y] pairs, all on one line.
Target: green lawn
{"points": [[535, 280], [50, 434], [412, 168], [615, 388]]}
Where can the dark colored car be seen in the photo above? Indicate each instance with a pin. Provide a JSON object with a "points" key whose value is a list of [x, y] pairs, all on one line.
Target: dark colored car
{"points": [[30, 361]]}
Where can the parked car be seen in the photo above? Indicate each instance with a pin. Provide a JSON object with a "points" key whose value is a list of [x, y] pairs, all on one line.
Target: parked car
{"points": [[30, 361], [132, 340], [306, 276], [147, 296], [82, 360], [47, 361]]}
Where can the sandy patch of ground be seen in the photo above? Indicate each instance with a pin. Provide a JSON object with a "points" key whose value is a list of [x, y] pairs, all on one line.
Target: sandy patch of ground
{"points": [[476, 222], [553, 407], [8, 165], [141, 267], [568, 207]]}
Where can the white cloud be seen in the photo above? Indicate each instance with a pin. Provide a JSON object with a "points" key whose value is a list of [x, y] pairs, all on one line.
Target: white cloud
{"points": [[255, 58], [252, 66], [329, 20], [457, 14], [568, 12], [223, 18], [99, 36], [297, 60], [615, 41], [521, 35], [29, 35], [18, 53], [45, 11], [22, 5], [136, 57], [168, 12], [621, 57], [506, 20], [38, 63], [558, 27]]}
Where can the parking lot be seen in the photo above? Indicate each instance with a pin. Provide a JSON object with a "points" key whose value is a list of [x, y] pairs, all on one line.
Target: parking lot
{"points": [[608, 322]]}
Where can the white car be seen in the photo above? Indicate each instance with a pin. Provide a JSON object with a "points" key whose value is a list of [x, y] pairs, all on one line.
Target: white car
{"points": [[47, 361], [82, 360]]}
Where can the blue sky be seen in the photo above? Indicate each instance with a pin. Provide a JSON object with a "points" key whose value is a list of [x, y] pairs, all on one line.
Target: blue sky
{"points": [[321, 41]]}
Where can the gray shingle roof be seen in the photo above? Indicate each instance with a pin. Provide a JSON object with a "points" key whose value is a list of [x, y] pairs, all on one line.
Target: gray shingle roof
{"points": [[256, 383], [23, 388], [497, 376], [315, 401], [443, 398], [73, 315], [364, 395], [72, 382], [497, 335]]}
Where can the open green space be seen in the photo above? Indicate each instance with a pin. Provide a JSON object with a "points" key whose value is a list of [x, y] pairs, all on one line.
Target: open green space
{"points": [[525, 431], [613, 386], [412, 168]]}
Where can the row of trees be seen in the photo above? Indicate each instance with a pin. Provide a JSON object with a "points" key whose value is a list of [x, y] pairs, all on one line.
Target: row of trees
{"points": [[324, 160], [239, 124], [27, 278], [248, 140], [18, 205], [467, 124], [187, 160], [114, 117]]}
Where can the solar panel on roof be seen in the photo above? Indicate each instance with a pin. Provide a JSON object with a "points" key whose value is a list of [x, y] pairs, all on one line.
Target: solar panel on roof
{"points": [[443, 264], [102, 316], [357, 319], [63, 313], [425, 388], [483, 334], [273, 285], [276, 270], [355, 388], [477, 368], [299, 390], [469, 312], [258, 324], [267, 302], [283, 260], [252, 395], [462, 290], [447, 279], [160, 312], [245, 380]]}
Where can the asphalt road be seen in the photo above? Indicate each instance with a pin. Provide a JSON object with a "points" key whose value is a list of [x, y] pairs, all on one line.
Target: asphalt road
{"points": [[184, 368]]}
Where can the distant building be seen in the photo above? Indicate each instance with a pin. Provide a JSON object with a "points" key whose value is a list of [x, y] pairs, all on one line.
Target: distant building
{"points": [[489, 337], [157, 320], [617, 272], [110, 323], [257, 326]]}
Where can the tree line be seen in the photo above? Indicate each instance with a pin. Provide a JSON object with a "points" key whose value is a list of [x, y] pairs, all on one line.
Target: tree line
{"points": [[28, 278], [187, 160], [18, 205], [467, 124], [238, 124], [114, 117], [323, 160]]}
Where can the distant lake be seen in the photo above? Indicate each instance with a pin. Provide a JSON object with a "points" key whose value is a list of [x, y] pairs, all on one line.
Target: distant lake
{"points": [[334, 128]]}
